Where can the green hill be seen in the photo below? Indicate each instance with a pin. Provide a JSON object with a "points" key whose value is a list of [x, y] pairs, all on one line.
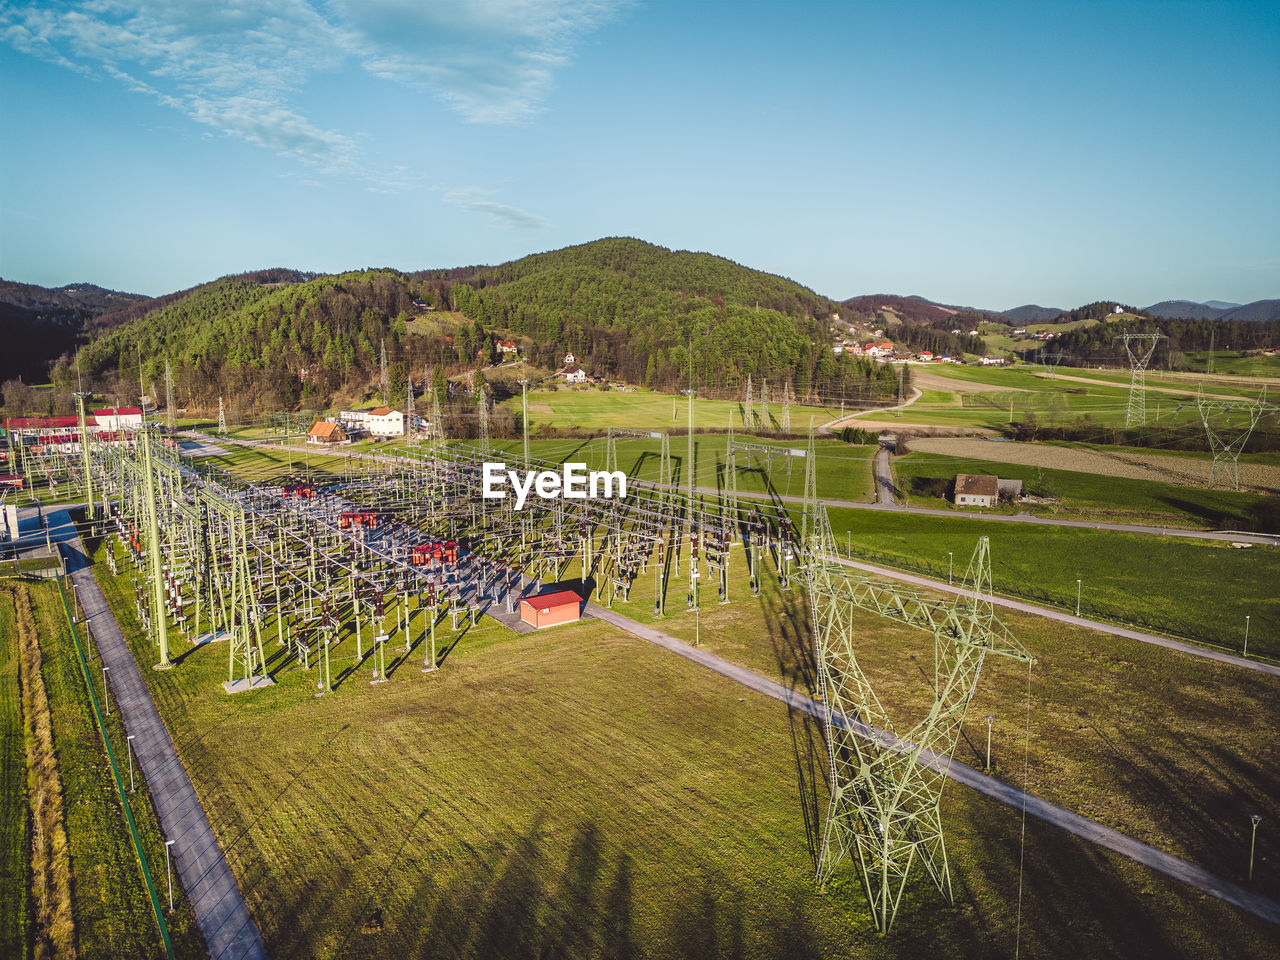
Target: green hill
{"points": [[627, 309]]}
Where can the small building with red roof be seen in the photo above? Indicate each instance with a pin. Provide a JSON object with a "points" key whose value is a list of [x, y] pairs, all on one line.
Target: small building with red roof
{"points": [[551, 609]]}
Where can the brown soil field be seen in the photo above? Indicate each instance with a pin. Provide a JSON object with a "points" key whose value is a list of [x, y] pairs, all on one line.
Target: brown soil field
{"points": [[1130, 464]]}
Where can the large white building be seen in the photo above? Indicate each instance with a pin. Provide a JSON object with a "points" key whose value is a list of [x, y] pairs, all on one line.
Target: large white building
{"points": [[112, 419], [385, 422]]}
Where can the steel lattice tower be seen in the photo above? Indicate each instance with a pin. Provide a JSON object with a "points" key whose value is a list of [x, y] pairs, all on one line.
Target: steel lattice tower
{"points": [[1228, 451], [886, 786], [1139, 347], [168, 395], [748, 411], [222, 417], [786, 407]]}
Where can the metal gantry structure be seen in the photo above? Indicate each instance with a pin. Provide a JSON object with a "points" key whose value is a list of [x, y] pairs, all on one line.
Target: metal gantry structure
{"points": [[1226, 449], [1139, 347], [886, 782], [337, 574]]}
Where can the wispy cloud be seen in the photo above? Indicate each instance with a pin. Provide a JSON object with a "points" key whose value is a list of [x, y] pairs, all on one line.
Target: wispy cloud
{"points": [[513, 218], [241, 67]]}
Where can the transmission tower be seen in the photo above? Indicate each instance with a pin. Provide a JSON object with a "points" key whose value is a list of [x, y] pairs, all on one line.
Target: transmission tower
{"points": [[786, 407], [382, 366], [222, 417], [410, 412], [482, 410], [168, 396], [748, 411], [886, 786], [437, 422], [1228, 451], [1050, 362], [764, 404], [1139, 347]]}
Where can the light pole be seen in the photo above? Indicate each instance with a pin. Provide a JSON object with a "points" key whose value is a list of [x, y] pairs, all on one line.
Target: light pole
{"points": [[697, 626], [1254, 819], [129, 744], [106, 691], [1077, 596], [950, 562], [990, 719], [1246, 636], [168, 869]]}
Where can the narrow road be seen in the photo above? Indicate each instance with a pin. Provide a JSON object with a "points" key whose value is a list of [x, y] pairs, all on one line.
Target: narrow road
{"points": [[884, 479], [229, 930], [1191, 649], [1114, 840]]}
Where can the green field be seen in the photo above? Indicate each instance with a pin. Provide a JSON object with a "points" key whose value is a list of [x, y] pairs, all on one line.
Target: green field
{"points": [[1240, 364], [924, 478], [1198, 590], [594, 411], [110, 905], [15, 834], [1060, 399], [580, 793]]}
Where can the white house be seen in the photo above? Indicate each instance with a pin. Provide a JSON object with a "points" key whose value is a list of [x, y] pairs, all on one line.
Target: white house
{"points": [[354, 421], [569, 360], [385, 422], [976, 490], [575, 375]]}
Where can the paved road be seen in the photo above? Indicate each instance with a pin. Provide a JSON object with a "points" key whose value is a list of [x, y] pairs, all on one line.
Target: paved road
{"points": [[884, 479], [1114, 840], [229, 930], [1205, 653]]}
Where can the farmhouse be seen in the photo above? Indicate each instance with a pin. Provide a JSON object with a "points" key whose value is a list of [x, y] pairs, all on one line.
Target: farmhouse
{"points": [[327, 433], [506, 346], [574, 375], [385, 422], [976, 490], [551, 609]]}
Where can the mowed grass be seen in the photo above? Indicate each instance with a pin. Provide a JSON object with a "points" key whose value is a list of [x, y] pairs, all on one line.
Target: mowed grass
{"points": [[594, 410], [1199, 590], [1240, 364], [580, 793], [15, 834], [1028, 392], [111, 908], [1109, 499], [844, 471], [1167, 748]]}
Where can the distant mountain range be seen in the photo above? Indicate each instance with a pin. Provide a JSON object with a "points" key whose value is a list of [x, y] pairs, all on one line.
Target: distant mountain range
{"points": [[40, 324], [1260, 311]]}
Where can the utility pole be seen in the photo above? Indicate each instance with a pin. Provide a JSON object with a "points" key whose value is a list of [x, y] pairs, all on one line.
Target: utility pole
{"points": [[168, 395], [1254, 819], [1245, 652], [81, 396], [1077, 596], [990, 719]]}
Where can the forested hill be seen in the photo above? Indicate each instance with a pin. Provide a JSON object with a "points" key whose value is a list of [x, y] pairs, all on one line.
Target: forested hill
{"points": [[627, 309], [633, 310], [40, 323]]}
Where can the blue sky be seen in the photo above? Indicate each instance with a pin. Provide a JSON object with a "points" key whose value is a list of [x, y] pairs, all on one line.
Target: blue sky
{"points": [[981, 154]]}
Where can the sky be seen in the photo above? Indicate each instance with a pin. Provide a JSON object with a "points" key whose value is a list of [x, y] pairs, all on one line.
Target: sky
{"points": [[980, 154]]}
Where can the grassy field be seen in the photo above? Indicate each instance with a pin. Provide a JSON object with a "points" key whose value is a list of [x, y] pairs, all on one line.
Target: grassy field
{"points": [[579, 793], [110, 907], [1241, 364], [15, 835], [981, 397], [1198, 590], [924, 477], [591, 409]]}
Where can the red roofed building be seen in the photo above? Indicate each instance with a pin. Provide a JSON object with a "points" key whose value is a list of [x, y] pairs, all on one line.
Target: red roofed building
{"points": [[119, 418], [551, 609]]}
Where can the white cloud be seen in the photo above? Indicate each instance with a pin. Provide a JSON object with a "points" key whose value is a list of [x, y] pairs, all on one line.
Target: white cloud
{"points": [[513, 218], [239, 66]]}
